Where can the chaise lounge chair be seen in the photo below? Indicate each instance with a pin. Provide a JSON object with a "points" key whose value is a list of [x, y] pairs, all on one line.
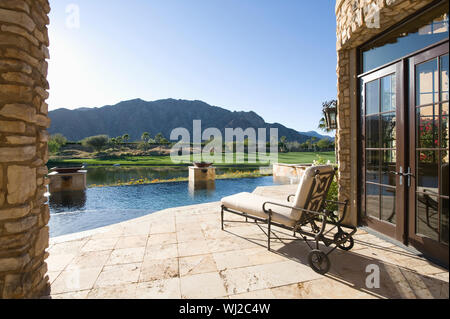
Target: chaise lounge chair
{"points": [[307, 210]]}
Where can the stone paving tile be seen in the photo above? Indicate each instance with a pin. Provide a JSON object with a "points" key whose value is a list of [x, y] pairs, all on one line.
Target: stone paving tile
{"points": [[182, 253], [257, 294], [324, 288], [127, 291], [190, 236], [126, 256], [52, 275], [100, 244], [163, 227], [258, 277], [70, 247], [75, 280], [57, 262], [154, 269], [164, 251], [207, 285], [72, 295], [90, 259], [245, 257], [193, 248], [118, 274], [110, 232], [162, 239], [136, 229], [131, 241], [197, 264], [159, 289]]}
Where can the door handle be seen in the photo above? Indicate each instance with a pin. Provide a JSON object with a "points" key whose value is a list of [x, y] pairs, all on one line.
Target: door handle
{"points": [[400, 174], [408, 175]]}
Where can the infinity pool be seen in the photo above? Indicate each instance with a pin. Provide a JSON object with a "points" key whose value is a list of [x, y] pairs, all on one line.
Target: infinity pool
{"points": [[102, 206]]}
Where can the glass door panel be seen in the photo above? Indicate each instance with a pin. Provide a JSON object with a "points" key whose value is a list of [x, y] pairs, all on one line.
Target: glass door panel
{"points": [[428, 195], [380, 114]]}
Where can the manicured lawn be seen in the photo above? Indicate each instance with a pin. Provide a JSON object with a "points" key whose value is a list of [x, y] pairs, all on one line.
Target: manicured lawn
{"points": [[288, 158]]}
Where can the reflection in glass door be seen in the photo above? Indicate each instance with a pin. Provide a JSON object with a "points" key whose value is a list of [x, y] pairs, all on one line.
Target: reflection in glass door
{"points": [[382, 194], [429, 193]]}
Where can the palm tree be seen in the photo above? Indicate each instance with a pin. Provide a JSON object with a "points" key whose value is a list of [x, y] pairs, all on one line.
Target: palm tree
{"points": [[145, 137], [113, 142], [283, 144], [125, 138], [159, 138], [323, 126]]}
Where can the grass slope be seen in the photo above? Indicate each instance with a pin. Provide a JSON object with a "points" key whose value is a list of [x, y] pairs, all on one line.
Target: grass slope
{"points": [[288, 158]]}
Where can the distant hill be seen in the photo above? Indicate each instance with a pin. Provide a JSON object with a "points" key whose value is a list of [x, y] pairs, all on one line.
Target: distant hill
{"points": [[315, 134], [137, 116]]}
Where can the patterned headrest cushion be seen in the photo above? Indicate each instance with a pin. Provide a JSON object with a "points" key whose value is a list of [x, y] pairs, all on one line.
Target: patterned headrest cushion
{"points": [[305, 185]]}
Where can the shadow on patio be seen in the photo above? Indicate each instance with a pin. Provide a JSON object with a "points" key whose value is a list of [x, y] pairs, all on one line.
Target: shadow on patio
{"points": [[402, 274]]}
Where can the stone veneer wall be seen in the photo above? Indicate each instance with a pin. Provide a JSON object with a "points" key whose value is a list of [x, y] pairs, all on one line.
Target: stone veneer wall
{"points": [[24, 233], [357, 22]]}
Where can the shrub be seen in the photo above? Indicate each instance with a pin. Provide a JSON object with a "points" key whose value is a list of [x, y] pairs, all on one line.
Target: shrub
{"points": [[96, 142], [333, 192], [55, 143]]}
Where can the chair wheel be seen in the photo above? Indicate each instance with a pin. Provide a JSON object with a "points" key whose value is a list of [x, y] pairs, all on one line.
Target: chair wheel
{"points": [[343, 240], [319, 261]]}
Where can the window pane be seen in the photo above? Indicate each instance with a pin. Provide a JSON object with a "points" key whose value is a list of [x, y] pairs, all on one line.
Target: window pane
{"points": [[373, 166], [388, 165], [427, 216], [426, 83], [372, 98], [427, 172], [427, 124], [372, 131], [388, 96], [444, 220], [388, 122], [444, 77], [388, 204], [444, 126], [373, 200], [422, 31]]}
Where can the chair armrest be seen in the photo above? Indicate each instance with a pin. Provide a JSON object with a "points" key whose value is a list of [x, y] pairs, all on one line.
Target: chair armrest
{"points": [[291, 207]]}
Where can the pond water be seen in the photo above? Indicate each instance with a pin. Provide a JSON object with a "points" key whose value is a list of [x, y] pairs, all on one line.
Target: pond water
{"points": [[111, 175], [101, 206]]}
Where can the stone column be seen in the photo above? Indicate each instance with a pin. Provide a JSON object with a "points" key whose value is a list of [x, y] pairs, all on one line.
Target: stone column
{"points": [[344, 129], [24, 215]]}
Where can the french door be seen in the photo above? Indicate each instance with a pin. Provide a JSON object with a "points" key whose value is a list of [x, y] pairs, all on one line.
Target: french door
{"points": [[405, 151], [429, 156], [383, 118]]}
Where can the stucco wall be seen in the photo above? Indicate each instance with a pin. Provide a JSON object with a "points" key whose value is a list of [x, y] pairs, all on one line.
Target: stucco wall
{"points": [[24, 215], [357, 22]]}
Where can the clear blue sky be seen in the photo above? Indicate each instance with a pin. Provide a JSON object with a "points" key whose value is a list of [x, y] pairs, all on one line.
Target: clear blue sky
{"points": [[277, 58]]}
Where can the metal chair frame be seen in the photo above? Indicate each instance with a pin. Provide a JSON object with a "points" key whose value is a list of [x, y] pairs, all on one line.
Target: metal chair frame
{"points": [[318, 234]]}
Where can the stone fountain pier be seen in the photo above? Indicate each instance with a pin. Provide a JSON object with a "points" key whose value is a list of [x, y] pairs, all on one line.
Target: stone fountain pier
{"points": [[202, 178]]}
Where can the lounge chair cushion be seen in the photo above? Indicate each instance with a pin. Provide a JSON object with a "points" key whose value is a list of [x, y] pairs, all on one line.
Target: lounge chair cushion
{"points": [[252, 204], [304, 189]]}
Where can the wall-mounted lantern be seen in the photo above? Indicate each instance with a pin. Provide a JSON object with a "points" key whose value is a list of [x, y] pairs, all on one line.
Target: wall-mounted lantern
{"points": [[330, 113]]}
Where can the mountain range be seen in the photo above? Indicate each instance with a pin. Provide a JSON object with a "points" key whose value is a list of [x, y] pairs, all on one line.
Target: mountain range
{"points": [[134, 117], [317, 135]]}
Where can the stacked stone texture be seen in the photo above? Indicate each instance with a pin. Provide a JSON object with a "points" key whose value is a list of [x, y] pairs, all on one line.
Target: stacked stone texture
{"points": [[357, 22], [24, 215]]}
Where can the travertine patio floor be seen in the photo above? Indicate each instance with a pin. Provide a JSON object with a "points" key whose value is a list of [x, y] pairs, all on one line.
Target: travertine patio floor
{"points": [[182, 253]]}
